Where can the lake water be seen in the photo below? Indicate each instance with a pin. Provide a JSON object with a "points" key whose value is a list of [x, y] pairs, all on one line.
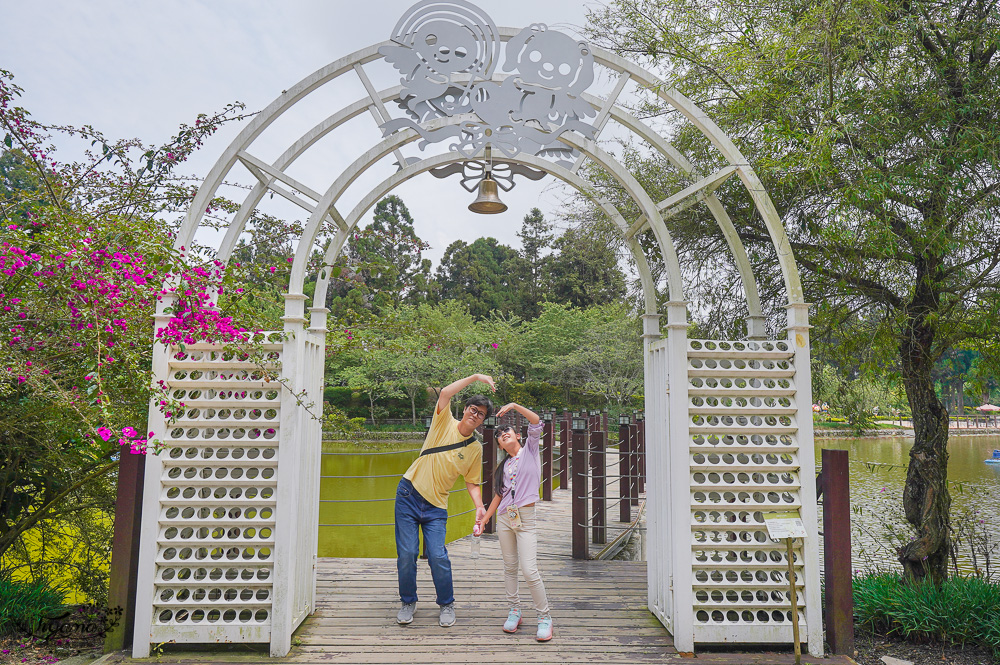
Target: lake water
{"points": [[878, 472], [358, 489]]}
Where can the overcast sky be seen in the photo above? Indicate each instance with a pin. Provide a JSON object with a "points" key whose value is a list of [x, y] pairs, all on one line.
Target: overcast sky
{"points": [[139, 68]]}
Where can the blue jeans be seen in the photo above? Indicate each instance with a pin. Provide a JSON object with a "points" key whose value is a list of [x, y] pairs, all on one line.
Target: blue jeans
{"points": [[412, 513]]}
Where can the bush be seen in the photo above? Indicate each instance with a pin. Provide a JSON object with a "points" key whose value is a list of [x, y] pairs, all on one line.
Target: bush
{"points": [[538, 394], [962, 610], [25, 605], [355, 403]]}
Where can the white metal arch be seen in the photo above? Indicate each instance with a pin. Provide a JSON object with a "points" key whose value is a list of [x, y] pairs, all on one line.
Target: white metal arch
{"points": [[391, 143], [355, 61], [272, 176], [389, 184], [726, 399]]}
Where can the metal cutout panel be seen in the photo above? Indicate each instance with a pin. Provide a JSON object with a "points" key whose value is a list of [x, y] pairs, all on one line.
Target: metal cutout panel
{"points": [[744, 461], [214, 565]]}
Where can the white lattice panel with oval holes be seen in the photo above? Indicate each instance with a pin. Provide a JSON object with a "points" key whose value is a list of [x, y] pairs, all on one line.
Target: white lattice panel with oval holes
{"points": [[744, 461], [214, 563]]}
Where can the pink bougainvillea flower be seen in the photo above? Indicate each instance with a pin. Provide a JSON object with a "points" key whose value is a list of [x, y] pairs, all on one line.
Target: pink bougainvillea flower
{"points": [[104, 433]]}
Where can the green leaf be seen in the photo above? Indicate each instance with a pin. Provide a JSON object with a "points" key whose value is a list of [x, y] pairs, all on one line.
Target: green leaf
{"points": [[8, 141]]}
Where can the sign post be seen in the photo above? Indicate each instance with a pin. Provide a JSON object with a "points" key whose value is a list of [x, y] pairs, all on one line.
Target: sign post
{"points": [[788, 526]]}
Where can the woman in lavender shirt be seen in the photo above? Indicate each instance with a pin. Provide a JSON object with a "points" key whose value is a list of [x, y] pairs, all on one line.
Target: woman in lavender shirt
{"points": [[516, 490]]}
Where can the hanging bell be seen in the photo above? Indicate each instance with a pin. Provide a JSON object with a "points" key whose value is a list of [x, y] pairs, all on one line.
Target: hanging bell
{"points": [[488, 201]]}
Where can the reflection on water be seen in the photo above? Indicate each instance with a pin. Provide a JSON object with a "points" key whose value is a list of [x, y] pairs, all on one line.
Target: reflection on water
{"points": [[356, 503], [878, 472]]}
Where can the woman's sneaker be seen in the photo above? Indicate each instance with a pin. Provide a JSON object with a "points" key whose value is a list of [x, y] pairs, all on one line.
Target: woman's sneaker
{"points": [[512, 622], [544, 629]]}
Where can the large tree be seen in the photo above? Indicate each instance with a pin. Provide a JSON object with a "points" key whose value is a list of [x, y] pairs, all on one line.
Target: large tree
{"points": [[536, 235], [876, 130], [485, 275], [583, 272], [385, 257]]}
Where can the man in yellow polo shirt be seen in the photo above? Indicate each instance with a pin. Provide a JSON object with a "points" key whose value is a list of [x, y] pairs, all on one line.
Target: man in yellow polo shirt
{"points": [[449, 451]]}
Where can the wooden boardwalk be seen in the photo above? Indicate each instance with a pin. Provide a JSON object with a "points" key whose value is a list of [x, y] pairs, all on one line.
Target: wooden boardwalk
{"points": [[598, 607]]}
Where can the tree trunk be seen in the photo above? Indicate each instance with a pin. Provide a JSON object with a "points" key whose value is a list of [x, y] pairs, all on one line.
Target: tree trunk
{"points": [[926, 500]]}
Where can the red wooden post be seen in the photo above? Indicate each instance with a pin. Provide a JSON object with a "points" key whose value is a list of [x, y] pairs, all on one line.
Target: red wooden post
{"points": [[633, 462], [125, 548], [598, 472], [837, 551], [641, 462], [564, 437], [579, 464], [624, 473], [489, 466], [547, 445]]}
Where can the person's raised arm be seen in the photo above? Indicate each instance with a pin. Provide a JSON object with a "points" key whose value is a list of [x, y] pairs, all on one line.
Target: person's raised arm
{"points": [[452, 389], [524, 411]]}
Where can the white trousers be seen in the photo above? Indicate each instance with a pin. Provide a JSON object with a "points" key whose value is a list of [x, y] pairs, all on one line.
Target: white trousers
{"points": [[520, 546]]}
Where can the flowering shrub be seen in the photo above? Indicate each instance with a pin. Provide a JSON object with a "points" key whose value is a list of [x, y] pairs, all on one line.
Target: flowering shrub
{"points": [[86, 254]]}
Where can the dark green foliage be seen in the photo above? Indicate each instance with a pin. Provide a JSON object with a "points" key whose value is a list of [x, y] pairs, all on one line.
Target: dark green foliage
{"points": [[535, 235], [354, 403], [962, 610], [584, 272], [486, 276], [24, 605], [538, 393], [382, 263]]}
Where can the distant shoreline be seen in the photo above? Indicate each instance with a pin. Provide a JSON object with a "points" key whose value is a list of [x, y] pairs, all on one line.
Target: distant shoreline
{"points": [[821, 433]]}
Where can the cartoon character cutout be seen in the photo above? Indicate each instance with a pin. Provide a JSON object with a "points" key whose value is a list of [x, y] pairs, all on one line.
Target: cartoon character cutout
{"points": [[447, 51], [437, 44], [531, 109], [553, 70]]}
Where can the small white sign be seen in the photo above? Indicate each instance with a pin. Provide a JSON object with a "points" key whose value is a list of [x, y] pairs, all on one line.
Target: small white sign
{"points": [[784, 525]]}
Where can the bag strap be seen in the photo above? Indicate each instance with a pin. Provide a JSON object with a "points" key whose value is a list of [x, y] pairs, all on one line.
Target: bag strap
{"points": [[452, 446]]}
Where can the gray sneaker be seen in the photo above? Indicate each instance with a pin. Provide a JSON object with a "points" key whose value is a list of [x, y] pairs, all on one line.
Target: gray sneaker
{"points": [[405, 615], [447, 615]]}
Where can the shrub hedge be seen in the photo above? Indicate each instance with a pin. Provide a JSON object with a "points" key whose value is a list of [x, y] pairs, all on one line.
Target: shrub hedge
{"points": [[963, 610]]}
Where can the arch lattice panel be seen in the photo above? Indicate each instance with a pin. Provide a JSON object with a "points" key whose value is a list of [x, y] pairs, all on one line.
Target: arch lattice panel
{"points": [[744, 461], [214, 569]]}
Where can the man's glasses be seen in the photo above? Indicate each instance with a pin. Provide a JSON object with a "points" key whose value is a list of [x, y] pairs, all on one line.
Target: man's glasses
{"points": [[477, 413]]}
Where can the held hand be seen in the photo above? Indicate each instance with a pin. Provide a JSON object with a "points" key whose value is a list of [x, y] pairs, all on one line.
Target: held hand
{"points": [[477, 530], [505, 408], [488, 380], [480, 516]]}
